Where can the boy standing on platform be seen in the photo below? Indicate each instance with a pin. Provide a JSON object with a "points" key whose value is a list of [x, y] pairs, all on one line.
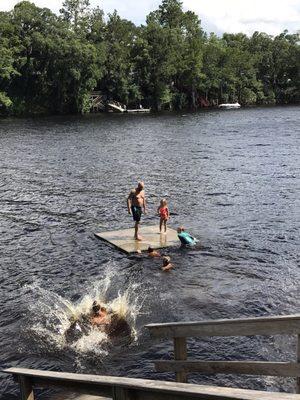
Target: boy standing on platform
{"points": [[135, 203]]}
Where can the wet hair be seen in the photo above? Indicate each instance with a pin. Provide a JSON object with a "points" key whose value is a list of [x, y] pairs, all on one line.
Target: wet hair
{"points": [[166, 260], [141, 185], [163, 202], [150, 249], [96, 307]]}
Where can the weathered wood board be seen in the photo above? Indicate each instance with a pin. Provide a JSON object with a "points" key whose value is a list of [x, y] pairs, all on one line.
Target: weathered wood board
{"points": [[120, 388], [123, 239], [274, 325]]}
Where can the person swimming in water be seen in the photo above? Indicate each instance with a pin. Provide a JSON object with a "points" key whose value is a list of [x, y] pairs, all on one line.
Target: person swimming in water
{"points": [[99, 315], [184, 237], [152, 252], [167, 265], [115, 326], [110, 323]]}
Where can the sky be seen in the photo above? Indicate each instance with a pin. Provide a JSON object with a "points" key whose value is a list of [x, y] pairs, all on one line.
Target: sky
{"points": [[247, 16]]}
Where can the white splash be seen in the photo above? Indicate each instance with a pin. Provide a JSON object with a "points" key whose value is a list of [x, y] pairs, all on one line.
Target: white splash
{"points": [[52, 314]]}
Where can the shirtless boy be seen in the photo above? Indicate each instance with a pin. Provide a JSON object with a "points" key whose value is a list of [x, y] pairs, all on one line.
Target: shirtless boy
{"points": [[135, 203], [99, 315]]}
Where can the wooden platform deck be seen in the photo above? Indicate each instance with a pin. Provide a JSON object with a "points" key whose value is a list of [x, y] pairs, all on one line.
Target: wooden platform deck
{"points": [[119, 388], [123, 239]]}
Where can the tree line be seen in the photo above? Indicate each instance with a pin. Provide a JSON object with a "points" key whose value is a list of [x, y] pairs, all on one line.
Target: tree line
{"points": [[51, 63]]}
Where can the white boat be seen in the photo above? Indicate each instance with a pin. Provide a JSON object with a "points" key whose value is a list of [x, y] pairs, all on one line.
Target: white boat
{"points": [[230, 105], [139, 110]]}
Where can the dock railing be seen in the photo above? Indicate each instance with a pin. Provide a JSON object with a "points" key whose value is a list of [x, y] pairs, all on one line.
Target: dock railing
{"points": [[263, 326], [118, 388]]}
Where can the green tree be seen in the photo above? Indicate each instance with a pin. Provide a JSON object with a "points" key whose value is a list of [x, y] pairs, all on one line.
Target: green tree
{"points": [[57, 68], [213, 61], [7, 70], [76, 13], [50, 63], [118, 79]]}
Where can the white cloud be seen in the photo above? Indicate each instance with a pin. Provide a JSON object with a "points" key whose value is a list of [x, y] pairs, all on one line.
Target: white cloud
{"points": [[270, 16]]}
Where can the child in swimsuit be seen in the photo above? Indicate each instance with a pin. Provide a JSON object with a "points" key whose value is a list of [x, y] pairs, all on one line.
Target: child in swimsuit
{"points": [[185, 238], [164, 214]]}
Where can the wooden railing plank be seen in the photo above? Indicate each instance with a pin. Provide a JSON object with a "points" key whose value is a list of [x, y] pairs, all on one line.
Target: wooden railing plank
{"points": [[278, 325], [88, 388], [143, 389], [285, 369]]}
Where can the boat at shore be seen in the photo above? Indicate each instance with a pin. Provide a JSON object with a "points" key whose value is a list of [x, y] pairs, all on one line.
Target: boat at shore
{"points": [[228, 106], [139, 110]]}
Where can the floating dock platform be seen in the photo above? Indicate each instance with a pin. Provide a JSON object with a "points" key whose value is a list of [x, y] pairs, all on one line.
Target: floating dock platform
{"points": [[123, 239]]}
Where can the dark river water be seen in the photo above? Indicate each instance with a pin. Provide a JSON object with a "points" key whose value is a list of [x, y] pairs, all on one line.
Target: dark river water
{"points": [[231, 177]]}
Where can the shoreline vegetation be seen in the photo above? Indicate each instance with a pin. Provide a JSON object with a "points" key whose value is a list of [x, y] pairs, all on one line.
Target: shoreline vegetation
{"points": [[50, 64]]}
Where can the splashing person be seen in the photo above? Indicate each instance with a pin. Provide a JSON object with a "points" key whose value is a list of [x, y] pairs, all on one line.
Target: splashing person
{"points": [[99, 315], [135, 203]]}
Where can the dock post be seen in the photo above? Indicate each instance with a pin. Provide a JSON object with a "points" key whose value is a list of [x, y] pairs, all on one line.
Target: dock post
{"points": [[120, 393], [180, 353], [298, 360], [26, 389]]}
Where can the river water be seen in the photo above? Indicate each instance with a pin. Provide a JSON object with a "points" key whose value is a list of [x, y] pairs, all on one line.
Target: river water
{"points": [[231, 177]]}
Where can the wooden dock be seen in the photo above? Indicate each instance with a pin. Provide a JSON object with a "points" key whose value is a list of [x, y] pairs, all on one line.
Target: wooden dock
{"points": [[116, 106], [121, 108], [263, 326], [95, 387], [123, 239], [118, 388], [96, 102]]}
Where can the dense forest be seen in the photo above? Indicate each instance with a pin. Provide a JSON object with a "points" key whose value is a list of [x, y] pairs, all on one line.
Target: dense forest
{"points": [[51, 63]]}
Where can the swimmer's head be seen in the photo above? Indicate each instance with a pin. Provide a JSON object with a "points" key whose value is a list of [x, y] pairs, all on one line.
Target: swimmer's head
{"points": [[96, 307], [141, 185], [166, 260], [180, 229], [150, 249], [163, 203]]}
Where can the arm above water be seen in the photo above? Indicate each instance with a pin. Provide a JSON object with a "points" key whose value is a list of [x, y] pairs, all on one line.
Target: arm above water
{"points": [[167, 267], [144, 203], [129, 201]]}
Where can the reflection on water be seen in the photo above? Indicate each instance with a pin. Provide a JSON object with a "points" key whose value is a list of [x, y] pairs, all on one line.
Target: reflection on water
{"points": [[230, 177]]}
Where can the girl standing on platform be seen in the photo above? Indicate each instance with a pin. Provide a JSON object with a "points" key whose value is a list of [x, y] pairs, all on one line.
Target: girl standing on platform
{"points": [[164, 214]]}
